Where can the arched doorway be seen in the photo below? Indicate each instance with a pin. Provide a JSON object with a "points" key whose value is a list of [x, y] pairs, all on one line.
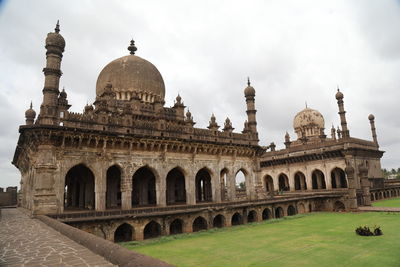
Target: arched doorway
{"points": [[236, 219], [219, 221], [176, 227], [79, 188], [223, 182], [252, 216], [123, 233], [269, 184], [339, 206], [278, 212], [301, 208], [144, 187], [338, 178], [199, 224], [300, 181], [283, 182], [203, 186], [266, 215], [240, 184], [113, 193], [291, 211], [176, 192], [318, 180], [152, 230]]}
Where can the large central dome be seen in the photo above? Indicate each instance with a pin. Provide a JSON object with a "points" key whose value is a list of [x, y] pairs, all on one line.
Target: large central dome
{"points": [[132, 75]]}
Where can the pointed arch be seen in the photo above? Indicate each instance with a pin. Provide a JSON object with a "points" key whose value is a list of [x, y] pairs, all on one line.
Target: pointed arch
{"points": [[236, 219], [176, 191], [219, 221], [203, 186], [318, 179], [144, 187], [269, 184], [252, 216], [338, 178], [176, 227], [283, 182], [113, 189], [199, 224], [124, 233], [300, 181], [223, 179], [266, 215], [79, 188], [152, 230]]}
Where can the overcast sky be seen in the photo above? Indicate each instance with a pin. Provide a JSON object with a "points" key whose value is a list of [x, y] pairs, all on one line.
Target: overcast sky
{"points": [[293, 51]]}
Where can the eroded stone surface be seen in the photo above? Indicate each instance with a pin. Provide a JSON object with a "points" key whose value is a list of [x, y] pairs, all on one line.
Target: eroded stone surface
{"points": [[29, 242]]}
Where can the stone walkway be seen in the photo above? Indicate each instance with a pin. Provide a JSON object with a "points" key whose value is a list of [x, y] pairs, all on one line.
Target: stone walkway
{"points": [[29, 242], [387, 209]]}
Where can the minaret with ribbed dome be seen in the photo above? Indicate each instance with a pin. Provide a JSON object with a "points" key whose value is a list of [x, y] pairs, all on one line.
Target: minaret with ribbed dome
{"points": [[30, 115], [251, 111], [55, 45]]}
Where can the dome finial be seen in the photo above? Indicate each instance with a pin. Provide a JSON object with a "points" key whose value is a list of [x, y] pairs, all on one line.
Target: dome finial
{"points": [[248, 81], [132, 48], [31, 105], [57, 29], [306, 105]]}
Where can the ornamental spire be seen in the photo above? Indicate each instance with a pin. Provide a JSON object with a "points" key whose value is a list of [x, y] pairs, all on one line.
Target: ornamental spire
{"points": [[132, 48], [248, 81], [57, 29]]}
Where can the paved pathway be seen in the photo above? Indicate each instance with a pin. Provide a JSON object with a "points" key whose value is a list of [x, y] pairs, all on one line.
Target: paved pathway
{"points": [[29, 242], [387, 209]]}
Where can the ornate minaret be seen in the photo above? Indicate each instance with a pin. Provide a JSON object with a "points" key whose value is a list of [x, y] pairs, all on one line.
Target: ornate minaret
{"points": [[342, 113], [30, 115], [55, 45], [371, 118], [250, 94]]}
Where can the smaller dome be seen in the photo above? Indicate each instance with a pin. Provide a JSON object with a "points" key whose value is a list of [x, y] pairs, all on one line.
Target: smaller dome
{"points": [[371, 117], [88, 108], [249, 90], [30, 113], [308, 123], [339, 95], [63, 94]]}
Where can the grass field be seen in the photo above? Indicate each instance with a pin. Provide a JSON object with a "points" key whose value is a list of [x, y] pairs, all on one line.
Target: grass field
{"points": [[316, 239], [394, 202]]}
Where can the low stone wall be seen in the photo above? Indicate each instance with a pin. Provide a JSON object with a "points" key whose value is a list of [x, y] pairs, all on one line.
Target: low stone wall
{"points": [[112, 252]]}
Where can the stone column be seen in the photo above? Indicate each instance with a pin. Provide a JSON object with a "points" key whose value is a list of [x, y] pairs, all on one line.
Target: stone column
{"points": [[230, 183], [126, 190], [161, 186], [100, 187], [365, 184], [190, 188], [216, 186], [352, 189]]}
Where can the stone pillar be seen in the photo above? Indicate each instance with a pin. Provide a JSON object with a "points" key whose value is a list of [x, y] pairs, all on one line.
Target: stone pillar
{"points": [[230, 183], [161, 186], [352, 188], [126, 190], [190, 188], [100, 188], [365, 184], [216, 187]]}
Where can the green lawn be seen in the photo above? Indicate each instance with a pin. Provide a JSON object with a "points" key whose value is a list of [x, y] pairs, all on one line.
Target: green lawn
{"points": [[394, 202], [316, 239]]}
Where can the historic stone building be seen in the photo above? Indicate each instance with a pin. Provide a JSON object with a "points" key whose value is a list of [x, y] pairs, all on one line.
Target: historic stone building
{"points": [[130, 168]]}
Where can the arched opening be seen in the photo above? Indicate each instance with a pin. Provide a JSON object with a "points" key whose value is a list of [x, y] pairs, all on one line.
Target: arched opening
{"points": [[318, 180], [372, 197], [123, 233], [339, 206], [199, 224], [300, 181], [269, 184], [252, 216], [278, 212], [240, 183], [236, 219], [338, 178], [79, 188], [176, 192], [144, 187], [291, 210], [203, 186], [219, 221], [176, 227], [266, 215], [283, 182], [301, 208], [113, 193], [152, 230], [223, 178]]}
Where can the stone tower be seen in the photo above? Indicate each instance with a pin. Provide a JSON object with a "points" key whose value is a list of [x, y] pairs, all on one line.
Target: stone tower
{"points": [[55, 45], [250, 94]]}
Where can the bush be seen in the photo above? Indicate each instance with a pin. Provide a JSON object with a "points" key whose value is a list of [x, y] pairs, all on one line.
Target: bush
{"points": [[365, 231]]}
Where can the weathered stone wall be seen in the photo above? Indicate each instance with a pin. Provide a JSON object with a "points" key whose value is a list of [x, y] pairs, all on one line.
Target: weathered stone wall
{"points": [[8, 197]]}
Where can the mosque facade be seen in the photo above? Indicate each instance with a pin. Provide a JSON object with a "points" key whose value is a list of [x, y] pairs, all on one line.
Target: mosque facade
{"points": [[130, 168]]}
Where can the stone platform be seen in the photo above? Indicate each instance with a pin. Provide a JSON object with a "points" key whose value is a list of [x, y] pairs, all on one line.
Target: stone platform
{"points": [[381, 209], [29, 242]]}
